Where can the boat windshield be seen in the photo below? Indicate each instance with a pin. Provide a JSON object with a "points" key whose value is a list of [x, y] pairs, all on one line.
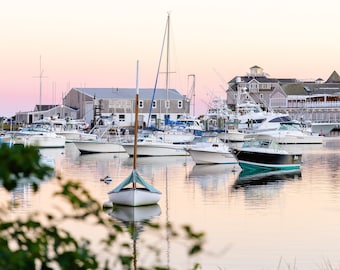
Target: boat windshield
{"points": [[261, 143], [290, 126]]}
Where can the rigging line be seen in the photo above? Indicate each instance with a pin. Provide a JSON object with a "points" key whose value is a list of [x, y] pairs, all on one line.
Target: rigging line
{"points": [[159, 66]]}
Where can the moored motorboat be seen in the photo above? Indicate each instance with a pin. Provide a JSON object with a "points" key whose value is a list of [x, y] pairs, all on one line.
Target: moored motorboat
{"points": [[99, 146], [38, 134], [175, 136], [153, 146], [39, 138], [71, 129], [290, 133], [263, 153], [232, 135], [211, 150]]}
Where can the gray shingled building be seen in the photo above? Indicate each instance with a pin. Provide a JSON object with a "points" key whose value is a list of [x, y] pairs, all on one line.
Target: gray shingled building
{"points": [[120, 103]]}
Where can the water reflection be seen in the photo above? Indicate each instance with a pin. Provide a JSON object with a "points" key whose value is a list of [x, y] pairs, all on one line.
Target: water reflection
{"points": [[21, 197], [134, 219], [248, 178], [212, 176], [261, 189], [157, 161], [150, 166], [262, 212]]}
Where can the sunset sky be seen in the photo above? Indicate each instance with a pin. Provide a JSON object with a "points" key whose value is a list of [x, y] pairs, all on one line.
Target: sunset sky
{"points": [[85, 43]]}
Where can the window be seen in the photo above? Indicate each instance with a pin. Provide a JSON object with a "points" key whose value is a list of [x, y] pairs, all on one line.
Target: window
{"points": [[154, 104], [121, 118], [167, 104], [141, 104], [253, 87], [180, 104]]}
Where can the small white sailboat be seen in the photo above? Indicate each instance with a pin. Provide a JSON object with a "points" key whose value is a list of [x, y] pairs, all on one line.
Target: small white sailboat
{"points": [[134, 196]]}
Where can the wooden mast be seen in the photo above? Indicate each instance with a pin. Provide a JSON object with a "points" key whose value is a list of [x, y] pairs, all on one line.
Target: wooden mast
{"points": [[136, 123]]}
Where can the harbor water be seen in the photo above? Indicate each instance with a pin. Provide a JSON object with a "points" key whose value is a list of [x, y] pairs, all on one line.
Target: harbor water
{"points": [[256, 222]]}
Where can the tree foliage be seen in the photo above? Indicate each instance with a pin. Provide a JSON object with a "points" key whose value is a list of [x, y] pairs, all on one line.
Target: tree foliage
{"points": [[40, 242]]}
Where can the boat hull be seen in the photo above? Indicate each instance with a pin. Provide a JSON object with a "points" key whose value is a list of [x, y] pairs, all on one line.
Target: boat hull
{"points": [[41, 141], [77, 136], [308, 139], [256, 160], [206, 156], [134, 197], [88, 147], [176, 138], [159, 149], [232, 136]]}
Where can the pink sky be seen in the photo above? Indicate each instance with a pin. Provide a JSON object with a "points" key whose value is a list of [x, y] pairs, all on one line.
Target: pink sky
{"points": [[97, 43]]}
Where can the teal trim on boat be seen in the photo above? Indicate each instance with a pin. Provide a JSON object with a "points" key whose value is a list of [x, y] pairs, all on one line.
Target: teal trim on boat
{"points": [[259, 167]]}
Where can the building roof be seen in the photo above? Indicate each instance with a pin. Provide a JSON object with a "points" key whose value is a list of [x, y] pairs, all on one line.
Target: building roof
{"points": [[334, 78], [311, 88], [44, 107], [50, 107], [129, 93]]}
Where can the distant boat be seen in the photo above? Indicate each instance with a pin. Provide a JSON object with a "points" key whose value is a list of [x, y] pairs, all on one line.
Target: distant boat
{"points": [[175, 135], [72, 130], [39, 134], [134, 196], [232, 135], [290, 133], [263, 153], [99, 146], [211, 150], [150, 145], [7, 139]]}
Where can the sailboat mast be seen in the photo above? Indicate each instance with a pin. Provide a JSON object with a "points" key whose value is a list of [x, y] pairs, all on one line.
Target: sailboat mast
{"points": [[40, 83], [167, 67], [136, 119]]}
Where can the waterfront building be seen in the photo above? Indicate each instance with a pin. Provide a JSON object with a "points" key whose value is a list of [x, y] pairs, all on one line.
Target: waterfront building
{"points": [[314, 101], [166, 104], [46, 111]]}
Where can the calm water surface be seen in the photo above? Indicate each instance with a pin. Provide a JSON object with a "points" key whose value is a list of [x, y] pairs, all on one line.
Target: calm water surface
{"points": [[251, 222]]}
